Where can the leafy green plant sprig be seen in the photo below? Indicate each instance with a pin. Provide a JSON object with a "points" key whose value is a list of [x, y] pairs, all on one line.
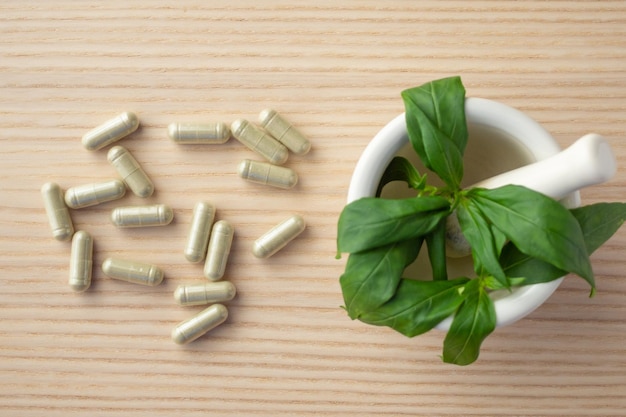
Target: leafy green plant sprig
{"points": [[517, 236]]}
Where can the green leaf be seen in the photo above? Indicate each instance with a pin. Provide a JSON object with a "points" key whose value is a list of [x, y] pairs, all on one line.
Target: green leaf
{"points": [[400, 169], [437, 128], [436, 244], [371, 277], [418, 306], [485, 243], [473, 322], [372, 222], [538, 226], [598, 222], [530, 270]]}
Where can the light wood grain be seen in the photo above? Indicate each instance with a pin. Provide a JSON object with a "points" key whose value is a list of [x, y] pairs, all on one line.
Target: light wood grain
{"points": [[335, 69]]}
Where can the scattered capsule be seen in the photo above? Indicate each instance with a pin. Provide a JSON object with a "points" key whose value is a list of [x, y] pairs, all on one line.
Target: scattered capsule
{"points": [[218, 251], [278, 237], [134, 272], [92, 194], [259, 141], [131, 172], [199, 133], [58, 214], [265, 173], [198, 240], [284, 132], [110, 131], [208, 293], [81, 261], [200, 324], [142, 216]]}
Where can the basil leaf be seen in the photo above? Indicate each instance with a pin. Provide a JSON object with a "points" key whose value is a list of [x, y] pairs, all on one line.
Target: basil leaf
{"points": [[372, 222], [473, 322], [437, 128], [598, 222], [538, 226], [436, 244], [371, 277], [531, 270], [499, 239], [418, 306], [400, 169], [485, 244]]}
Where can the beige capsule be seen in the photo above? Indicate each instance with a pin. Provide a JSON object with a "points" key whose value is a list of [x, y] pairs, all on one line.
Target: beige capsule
{"points": [[278, 237], [268, 174], [131, 172], [81, 261], [142, 216], [207, 293], [259, 141], [199, 231], [284, 132], [110, 131], [58, 214], [91, 194], [134, 272], [200, 324], [199, 133], [218, 250]]}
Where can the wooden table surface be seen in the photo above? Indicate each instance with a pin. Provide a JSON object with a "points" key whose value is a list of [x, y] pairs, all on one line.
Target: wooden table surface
{"points": [[335, 69]]}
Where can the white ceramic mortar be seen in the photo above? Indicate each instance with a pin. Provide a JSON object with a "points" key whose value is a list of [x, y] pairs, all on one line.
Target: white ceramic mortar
{"points": [[537, 144]]}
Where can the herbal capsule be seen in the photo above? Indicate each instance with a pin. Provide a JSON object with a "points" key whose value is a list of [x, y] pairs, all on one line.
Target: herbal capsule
{"points": [[284, 132], [259, 141], [199, 294], [110, 131], [131, 172], [264, 173], [199, 133], [134, 272], [81, 261], [278, 237], [198, 240], [92, 194], [200, 324], [58, 214], [218, 251], [142, 216]]}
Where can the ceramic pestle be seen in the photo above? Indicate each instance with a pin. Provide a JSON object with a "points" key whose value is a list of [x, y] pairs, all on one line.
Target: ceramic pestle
{"points": [[588, 161]]}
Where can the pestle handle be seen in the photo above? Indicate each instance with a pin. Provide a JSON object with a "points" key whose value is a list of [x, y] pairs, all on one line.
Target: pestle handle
{"points": [[588, 161]]}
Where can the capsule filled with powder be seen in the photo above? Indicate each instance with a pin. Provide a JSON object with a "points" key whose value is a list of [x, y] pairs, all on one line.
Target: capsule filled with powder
{"points": [[284, 132], [200, 324], [267, 174], [259, 141], [199, 231], [206, 293], [131, 172], [81, 261], [218, 250], [142, 216], [199, 133], [58, 214], [133, 272], [278, 237], [91, 194], [110, 131]]}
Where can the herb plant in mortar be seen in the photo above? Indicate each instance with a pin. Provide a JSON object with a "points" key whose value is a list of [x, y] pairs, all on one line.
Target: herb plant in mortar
{"points": [[516, 236]]}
